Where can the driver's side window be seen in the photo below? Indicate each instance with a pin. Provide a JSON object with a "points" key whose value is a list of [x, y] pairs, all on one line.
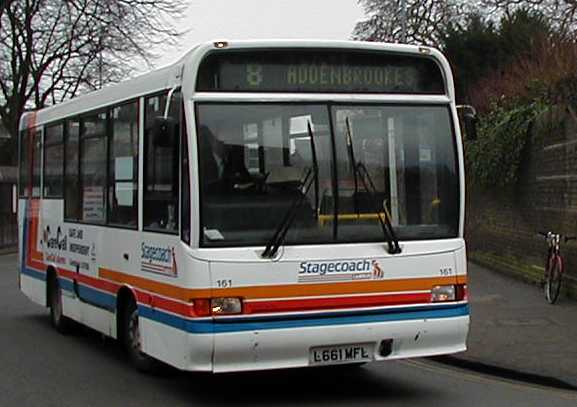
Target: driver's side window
{"points": [[161, 166]]}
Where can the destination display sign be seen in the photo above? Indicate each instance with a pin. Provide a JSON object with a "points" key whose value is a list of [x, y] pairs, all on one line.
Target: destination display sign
{"points": [[320, 71]]}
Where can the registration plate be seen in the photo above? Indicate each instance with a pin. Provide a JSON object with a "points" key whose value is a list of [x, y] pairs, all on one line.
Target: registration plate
{"points": [[354, 353]]}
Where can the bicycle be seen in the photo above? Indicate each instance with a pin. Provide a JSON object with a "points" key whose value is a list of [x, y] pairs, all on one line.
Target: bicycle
{"points": [[554, 265]]}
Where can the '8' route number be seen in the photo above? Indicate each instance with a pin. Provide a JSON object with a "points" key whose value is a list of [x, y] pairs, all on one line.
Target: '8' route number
{"points": [[254, 74]]}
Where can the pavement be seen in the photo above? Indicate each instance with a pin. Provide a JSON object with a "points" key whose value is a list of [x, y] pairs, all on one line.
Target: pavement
{"points": [[514, 328], [8, 250]]}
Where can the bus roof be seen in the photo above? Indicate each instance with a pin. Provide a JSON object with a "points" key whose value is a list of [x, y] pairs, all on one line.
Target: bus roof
{"points": [[171, 75]]}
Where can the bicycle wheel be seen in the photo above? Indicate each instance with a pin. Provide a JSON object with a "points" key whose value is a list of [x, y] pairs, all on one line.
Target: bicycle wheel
{"points": [[553, 281]]}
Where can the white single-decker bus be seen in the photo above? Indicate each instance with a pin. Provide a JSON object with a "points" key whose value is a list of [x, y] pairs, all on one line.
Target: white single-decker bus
{"points": [[257, 205]]}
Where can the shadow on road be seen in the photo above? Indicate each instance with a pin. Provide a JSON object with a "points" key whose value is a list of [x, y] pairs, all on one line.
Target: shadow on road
{"points": [[313, 385]]}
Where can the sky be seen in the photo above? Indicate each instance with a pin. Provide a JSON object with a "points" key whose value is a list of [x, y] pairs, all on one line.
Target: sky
{"points": [[263, 19]]}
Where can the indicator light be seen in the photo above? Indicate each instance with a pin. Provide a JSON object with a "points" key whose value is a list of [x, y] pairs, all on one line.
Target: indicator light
{"points": [[226, 305], [442, 293]]}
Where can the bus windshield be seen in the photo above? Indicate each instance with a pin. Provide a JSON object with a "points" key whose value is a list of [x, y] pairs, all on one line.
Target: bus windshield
{"points": [[399, 162]]}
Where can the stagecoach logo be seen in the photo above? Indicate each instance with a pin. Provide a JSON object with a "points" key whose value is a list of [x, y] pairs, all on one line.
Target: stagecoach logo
{"points": [[377, 271], [348, 270], [158, 260]]}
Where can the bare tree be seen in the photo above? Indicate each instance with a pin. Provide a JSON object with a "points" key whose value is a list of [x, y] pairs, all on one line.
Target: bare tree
{"points": [[51, 50], [425, 20], [562, 14]]}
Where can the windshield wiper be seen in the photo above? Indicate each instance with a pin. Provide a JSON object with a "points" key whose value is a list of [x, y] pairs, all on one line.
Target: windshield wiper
{"points": [[359, 170], [387, 226], [353, 169], [278, 237], [311, 177], [315, 166]]}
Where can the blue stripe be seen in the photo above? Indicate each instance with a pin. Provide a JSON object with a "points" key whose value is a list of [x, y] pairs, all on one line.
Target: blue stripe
{"points": [[33, 273], [98, 298], [88, 294], [197, 327], [219, 326], [66, 284]]}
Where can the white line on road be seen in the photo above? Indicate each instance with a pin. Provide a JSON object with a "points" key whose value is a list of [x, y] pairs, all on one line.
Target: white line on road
{"points": [[483, 378]]}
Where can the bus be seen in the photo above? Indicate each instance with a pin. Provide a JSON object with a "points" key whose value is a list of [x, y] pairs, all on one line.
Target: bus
{"points": [[256, 205]]}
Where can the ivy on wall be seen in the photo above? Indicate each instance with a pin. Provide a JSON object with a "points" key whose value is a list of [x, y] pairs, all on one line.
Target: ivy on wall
{"points": [[494, 158]]}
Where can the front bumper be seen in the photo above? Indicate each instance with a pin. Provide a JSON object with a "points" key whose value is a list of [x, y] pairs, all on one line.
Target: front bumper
{"points": [[286, 348], [246, 343]]}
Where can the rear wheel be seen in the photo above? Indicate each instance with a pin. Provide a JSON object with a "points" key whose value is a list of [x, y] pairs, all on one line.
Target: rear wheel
{"points": [[133, 343], [60, 322], [554, 277]]}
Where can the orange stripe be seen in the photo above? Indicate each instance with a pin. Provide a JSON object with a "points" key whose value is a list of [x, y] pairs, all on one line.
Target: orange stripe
{"points": [[35, 255], [281, 291], [167, 290], [34, 258]]}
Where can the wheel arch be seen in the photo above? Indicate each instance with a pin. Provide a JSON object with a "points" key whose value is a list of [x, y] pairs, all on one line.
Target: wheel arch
{"points": [[51, 275], [125, 295]]}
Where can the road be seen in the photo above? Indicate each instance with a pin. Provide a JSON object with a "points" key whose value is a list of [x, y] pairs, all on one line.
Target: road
{"points": [[40, 367]]}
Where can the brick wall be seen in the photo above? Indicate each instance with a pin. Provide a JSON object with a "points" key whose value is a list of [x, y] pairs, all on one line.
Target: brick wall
{"points": [[502, 224]]}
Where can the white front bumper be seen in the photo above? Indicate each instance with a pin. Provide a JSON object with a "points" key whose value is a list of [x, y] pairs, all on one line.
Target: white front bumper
{"points": [[286, 348], [276, 342]]}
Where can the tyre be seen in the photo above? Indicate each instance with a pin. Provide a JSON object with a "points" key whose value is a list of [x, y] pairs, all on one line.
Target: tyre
{"points": [[60, 322], [132, 341], [553, 281]]}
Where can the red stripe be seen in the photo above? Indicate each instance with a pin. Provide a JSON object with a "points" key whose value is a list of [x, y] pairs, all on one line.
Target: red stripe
{"points": [[155, 267], [142, 297], [103, 285], [165, 304], [33, 257], [296, 305], [335, 303]]}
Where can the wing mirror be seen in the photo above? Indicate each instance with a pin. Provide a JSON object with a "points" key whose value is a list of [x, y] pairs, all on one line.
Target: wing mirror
{"points": [[468, 117], [164, 131]]}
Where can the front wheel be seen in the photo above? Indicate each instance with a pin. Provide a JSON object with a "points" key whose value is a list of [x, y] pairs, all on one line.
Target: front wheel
{"points": [[133, 344], [554, 277], [60, 322]]}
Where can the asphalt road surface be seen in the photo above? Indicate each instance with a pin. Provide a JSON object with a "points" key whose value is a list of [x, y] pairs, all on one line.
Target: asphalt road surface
{"points": [[39, 367]]}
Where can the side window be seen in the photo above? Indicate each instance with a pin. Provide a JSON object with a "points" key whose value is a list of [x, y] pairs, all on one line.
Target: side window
{"points": [[54, 161], [123, 167], [93, 148], [185, 188], [24, 178], [36, 163], [161, 165], [72, 171]]}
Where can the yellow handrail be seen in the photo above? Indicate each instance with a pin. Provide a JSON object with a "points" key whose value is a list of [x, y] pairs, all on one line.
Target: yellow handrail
{"points": [[350, 216]]}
